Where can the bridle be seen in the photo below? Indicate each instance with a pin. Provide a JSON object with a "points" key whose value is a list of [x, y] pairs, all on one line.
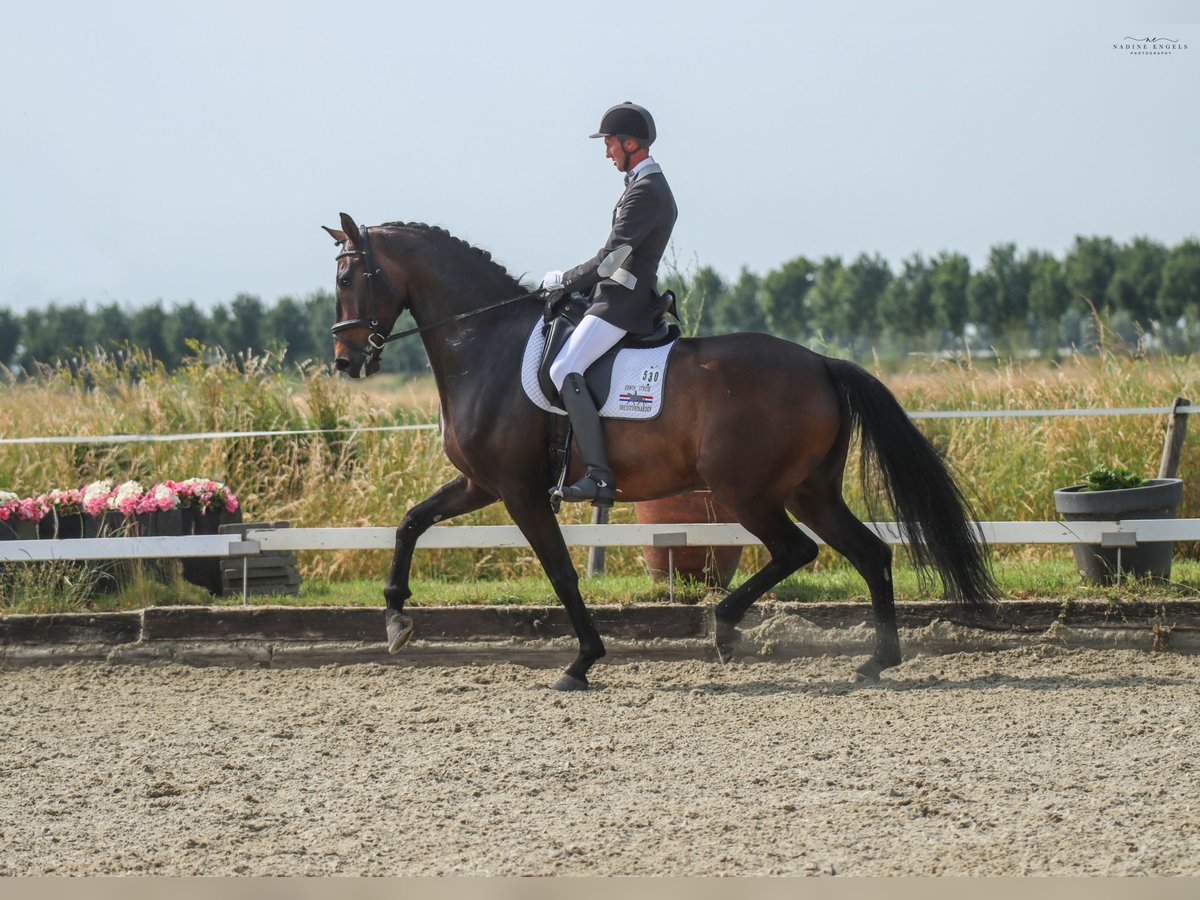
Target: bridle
{"points": [[376, 340], [371, 272]]}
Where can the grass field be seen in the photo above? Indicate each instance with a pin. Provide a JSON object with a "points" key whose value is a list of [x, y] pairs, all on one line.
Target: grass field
{"points": [[44, 588], [347, 477]]}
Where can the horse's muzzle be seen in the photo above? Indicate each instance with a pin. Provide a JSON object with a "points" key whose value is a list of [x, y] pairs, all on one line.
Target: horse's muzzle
{"points": [[353, 368], [353, 365]]}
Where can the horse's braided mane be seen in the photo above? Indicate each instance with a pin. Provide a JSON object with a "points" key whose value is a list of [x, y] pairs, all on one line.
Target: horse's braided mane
{"points": [[444, 235]]}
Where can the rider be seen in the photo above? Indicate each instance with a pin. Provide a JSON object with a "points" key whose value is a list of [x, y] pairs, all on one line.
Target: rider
{"points": [[624, 298]]}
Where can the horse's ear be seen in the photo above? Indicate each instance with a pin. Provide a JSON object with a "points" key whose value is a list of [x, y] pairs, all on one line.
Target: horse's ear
{"points": [[351, 230], [339, 237]]}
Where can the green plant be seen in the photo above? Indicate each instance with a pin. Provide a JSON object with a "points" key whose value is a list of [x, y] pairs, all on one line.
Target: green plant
{"points": [[1103, 478], [49, 587]]}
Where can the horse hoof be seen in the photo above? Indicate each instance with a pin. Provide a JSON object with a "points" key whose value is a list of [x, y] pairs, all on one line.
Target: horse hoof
{"points": [[725, 638], [868, 672], [569, 683], [399, 630]]}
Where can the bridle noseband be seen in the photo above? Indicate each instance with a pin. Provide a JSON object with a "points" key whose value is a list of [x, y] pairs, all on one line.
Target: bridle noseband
{"points": [[376, 339]]}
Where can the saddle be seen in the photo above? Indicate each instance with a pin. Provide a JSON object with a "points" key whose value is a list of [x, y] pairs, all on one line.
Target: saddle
{"points": [[565, 314]]}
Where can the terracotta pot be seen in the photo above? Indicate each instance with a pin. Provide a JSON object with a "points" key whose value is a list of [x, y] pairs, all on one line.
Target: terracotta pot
{"points": [[714, 566]]}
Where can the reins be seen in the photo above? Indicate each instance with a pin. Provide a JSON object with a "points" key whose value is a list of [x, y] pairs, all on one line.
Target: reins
{"points": [[376, 341], [461, 316]]}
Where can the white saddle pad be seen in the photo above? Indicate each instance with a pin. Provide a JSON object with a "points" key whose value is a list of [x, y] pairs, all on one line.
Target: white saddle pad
{"points": [[635, 391]]}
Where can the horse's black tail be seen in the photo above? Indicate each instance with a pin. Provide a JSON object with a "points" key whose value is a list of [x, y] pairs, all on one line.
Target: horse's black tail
{"points": [[934, 516]]}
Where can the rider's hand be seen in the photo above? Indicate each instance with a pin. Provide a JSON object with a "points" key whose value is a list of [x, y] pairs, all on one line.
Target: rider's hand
{"points": [[554, 300], [553, 280]]}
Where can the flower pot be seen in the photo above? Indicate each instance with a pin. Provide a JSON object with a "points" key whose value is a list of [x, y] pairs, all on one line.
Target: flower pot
{"points": [[109, 523], [18, 530], [160, 523], [1156, 498], [205, 571], [64, 527], [714, 566], [112, 574]]}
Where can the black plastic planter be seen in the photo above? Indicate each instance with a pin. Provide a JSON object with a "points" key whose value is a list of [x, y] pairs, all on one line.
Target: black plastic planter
{"points": [[59, 527], [205, 571], [14, 530], [1157, 498]]}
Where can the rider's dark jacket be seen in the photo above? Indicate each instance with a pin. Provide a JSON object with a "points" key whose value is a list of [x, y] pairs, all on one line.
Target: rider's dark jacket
{"points": [[643, 219]]}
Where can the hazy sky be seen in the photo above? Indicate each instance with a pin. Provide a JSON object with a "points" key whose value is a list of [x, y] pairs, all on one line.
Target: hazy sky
{"points": [[191, 152]]}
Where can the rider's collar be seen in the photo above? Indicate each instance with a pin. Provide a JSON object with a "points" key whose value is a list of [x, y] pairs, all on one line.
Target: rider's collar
{"points": [[640, 169]]}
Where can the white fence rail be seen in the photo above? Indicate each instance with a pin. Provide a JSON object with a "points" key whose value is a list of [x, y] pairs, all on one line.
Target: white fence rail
{"points": [[1178, 409], [1126, 533]]}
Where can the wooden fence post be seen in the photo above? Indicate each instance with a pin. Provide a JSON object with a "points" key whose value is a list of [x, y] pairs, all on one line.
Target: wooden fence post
{"points": [[1173, 442]]}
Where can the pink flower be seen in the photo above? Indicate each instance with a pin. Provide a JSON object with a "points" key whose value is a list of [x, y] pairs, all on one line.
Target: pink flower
{"points": [[206, 495], [125, 497], [95, 497], [63, 502], [159, 498], [186, 491], [30, 510]]}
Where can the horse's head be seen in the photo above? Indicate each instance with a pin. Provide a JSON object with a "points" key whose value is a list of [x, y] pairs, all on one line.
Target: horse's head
{"points": [[371, 294]]}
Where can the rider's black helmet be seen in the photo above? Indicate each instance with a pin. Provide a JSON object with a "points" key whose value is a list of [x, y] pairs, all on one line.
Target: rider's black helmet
{"points": [[628, 120]]}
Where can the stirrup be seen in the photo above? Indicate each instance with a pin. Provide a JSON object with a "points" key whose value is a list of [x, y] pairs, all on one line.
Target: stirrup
{"points": [[597, 488]]}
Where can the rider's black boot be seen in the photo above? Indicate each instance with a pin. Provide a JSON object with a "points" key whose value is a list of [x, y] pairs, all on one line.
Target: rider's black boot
{"points": [[597, 484]]}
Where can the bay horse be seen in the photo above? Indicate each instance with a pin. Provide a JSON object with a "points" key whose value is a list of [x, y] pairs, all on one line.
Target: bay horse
{"points": [[763, 423]]}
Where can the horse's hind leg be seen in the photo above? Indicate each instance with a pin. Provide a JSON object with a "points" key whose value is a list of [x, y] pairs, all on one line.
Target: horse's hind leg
{"points": [[833, 522], [790, 549], [454, 498]]}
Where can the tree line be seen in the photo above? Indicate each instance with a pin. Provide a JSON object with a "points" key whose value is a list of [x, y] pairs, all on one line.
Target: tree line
{"points": [[1015, 302], [297, 327]]}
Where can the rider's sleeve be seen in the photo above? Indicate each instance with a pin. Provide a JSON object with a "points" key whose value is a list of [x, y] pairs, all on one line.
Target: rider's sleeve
{"points": [[636, 217]]}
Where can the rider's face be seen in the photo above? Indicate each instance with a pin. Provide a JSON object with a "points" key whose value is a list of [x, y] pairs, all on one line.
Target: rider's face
{"points": [[614, 151]]}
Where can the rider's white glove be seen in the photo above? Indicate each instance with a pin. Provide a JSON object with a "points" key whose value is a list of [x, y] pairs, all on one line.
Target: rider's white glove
{"points": [[553, 280]]}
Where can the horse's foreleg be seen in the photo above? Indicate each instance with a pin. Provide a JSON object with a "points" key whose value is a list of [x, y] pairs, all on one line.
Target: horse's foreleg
{"points": [[533, 516], [454, 498], [872, 558], [790, 549]]}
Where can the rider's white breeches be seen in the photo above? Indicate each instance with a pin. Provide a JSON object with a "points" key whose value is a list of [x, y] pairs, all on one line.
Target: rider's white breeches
{"points": [[591, 340]]}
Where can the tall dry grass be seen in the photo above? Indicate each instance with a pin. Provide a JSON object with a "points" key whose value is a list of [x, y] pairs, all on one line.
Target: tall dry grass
{"points": [[1012, 466], [344, 477]]}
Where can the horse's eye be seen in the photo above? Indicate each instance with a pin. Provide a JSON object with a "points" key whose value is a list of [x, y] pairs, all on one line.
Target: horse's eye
{"points": [[344, 281]]}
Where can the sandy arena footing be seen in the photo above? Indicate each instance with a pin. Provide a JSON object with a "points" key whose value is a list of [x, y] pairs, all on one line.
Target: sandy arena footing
{"points": [[1034, 760]]}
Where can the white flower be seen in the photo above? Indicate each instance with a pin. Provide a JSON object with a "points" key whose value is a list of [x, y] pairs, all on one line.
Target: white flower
{"points": [[100, 488], [128, 489]]}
